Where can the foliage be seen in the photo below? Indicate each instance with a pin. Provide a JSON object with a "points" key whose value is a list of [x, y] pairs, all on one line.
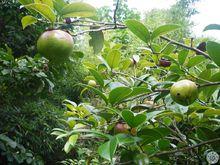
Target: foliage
{"points": [[15, 153], [137, 93], [22, 76], [180, 13], [123, 12], [12, 34]]}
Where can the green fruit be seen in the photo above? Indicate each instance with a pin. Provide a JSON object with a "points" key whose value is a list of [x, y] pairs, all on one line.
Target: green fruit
{"points": [[92, 83], [184, 92], [141, 159], [121, 128], [55, 45]]}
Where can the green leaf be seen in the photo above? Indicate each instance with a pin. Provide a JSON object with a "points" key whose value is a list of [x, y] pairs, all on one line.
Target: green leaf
{"points": [[25, 2], [96, 41], [168, 49], [98, 92], [70, 143], [131, 120], [151, 135], [182, 55], [28, 20], [77, 54], [138, 90], [59, 5], [164, 144], [97, 76], [113, 58], [125, 64], [163, 30], [212, 27], [212, 112], [113, 146], [104, 151], [44, 10], [138, 29], [107, 150], [195, 61], [126, 139], [213, 49], [118, 94], [46, 2], [78, 9]]}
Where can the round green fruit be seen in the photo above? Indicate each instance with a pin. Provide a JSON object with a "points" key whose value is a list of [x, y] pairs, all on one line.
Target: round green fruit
{"points": [[92, 83], [184, 92], [55, 45]]}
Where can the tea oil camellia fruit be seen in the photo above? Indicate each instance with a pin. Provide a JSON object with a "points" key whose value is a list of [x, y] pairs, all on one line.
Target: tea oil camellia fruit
{"points": [[55, 45], [184, 92], [121, 128], [164, 63], [92, 83]]}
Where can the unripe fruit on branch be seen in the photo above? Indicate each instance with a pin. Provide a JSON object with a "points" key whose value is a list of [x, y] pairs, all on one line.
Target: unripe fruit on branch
{"points": [[184, 92], [121, 128], [92, 83], [55, 45]]}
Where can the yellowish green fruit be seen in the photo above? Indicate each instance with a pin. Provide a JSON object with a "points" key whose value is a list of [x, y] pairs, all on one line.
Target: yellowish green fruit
{"points": [[184, 92], [55, 45], [92, 83]]}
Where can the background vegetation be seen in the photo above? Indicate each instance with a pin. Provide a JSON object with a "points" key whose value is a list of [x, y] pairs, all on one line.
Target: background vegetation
{"points": [[50, 114]]}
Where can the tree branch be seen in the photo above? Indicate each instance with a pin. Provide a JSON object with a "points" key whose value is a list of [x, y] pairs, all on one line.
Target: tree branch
{"points": [[209, 84], [115, 25], [97, 30], [186, 148], [115, 14], [185, 46]]}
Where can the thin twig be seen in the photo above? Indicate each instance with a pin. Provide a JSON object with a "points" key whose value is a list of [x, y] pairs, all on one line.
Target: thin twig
{"points": [[97, 30], [185, 46], [209, 84], [186, 148], [115, 14]]}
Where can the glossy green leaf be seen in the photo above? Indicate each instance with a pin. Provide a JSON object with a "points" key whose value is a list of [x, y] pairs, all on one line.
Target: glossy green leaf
{"points": [[46, 2], [25, 2], [132, 120], [107, 150], [96, 41], [104, 150], [164, 144], [113, 58], [125, 64], [195, 61], [70, 143], [28, 20], [96, 91], [138, 29], [213, 49], [77, 54], [168, 49], [182, 55], [163, 30], [118, 94], [44, 10], [78, 9], [138, 90], [59, 5], [212, 27], [97, 76], [151, 135]]}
